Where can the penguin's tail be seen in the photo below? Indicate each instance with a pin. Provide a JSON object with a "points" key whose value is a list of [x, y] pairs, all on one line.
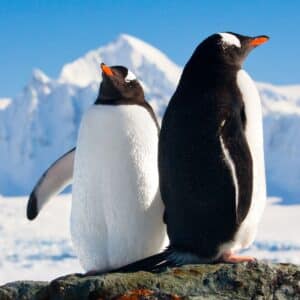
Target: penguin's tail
{"points": [[156, 263]]}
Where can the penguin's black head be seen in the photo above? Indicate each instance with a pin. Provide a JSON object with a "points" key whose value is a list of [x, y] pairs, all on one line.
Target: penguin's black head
{"points": [[227, 48], [119, 85]]}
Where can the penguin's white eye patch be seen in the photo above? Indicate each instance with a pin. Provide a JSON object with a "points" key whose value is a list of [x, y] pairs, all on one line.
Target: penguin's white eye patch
{"points": [[130, 76], [229, 39]]}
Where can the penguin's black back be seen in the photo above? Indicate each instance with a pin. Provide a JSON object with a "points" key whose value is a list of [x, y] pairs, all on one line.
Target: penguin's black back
{"points": [[196, 184]]}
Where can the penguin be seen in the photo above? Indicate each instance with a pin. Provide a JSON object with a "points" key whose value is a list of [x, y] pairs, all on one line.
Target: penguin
{"points": [[117, 211], [211, 159]]}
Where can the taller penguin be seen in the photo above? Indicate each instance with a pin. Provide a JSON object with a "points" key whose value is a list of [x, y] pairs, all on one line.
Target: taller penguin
{"points": [[211, 159], [117, 212]]}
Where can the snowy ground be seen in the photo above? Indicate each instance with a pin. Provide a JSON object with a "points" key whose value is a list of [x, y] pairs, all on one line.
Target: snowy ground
{"points": [[35, 250], [42, 250]]}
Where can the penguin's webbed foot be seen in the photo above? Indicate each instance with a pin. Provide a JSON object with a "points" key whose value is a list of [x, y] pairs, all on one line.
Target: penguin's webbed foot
{"points": [[230, 257]]}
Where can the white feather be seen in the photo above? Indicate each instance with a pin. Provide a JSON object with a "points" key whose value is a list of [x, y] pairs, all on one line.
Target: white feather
{"points": [[232, 169], [229, 39], [117, 211]]}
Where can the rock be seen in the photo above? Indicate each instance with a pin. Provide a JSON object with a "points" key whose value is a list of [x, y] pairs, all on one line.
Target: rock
{"points": [[24, 290], [193, 282]]}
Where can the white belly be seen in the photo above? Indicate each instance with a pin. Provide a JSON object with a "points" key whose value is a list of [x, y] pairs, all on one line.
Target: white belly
{"points": [[254, 134], [117, 211]]}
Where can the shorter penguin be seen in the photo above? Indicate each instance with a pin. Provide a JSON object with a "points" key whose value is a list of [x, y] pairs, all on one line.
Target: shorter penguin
{"points": [[211, 160], [117, 212]]}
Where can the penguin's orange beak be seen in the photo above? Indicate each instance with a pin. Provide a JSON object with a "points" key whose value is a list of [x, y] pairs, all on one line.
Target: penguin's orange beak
{"points": [[106, 70], [259, 40]]}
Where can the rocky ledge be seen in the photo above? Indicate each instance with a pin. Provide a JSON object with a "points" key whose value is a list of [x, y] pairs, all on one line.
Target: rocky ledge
{"points": [[195, 282]]}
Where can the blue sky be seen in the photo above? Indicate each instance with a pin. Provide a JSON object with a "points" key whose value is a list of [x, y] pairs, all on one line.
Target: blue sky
{"points": [[47, 34]]}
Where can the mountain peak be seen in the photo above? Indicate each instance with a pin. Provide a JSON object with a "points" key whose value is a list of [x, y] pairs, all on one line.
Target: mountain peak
{"points": [[126, 50], [127, 37], [40, 76], [138, 45]]}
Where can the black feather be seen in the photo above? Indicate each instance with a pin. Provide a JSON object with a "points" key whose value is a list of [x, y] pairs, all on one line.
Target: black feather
{"points": [[32, 210]]}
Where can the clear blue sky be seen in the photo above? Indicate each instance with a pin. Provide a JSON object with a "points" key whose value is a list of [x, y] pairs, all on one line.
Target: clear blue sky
{"points": [[47, 34]]}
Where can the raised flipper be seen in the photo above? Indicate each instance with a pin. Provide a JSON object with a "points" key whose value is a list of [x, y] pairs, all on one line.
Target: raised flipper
{"points": [[58, 176], [239, 160]]}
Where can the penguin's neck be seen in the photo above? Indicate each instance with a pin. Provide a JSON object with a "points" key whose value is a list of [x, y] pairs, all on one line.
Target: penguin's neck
{"points": [[109, 98], [127, 101], [102, 100]]}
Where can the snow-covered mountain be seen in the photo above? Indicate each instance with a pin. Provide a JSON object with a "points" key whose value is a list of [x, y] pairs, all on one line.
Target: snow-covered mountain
{"points": [[41, 122], [281, 108]]}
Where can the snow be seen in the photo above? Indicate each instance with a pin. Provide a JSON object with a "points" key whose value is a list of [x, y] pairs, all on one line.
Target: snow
{"points": [[40, 76], [38, 250], [42, 249], [278, 238]]}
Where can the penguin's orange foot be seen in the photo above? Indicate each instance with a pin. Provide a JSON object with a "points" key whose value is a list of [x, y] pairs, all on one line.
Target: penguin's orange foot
{"points": [[230, 257]]}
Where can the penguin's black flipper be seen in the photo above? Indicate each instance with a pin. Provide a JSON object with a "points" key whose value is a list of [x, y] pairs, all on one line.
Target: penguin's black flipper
{"points": [[235, 143], [58, 176]]}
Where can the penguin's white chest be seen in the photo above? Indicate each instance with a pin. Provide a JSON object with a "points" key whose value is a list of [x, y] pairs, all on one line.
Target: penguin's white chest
{"points": [[116, 211], [254, 136]]}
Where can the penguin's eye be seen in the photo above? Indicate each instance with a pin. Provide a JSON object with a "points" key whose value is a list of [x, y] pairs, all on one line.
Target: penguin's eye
{"points": [[130, 83]]}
